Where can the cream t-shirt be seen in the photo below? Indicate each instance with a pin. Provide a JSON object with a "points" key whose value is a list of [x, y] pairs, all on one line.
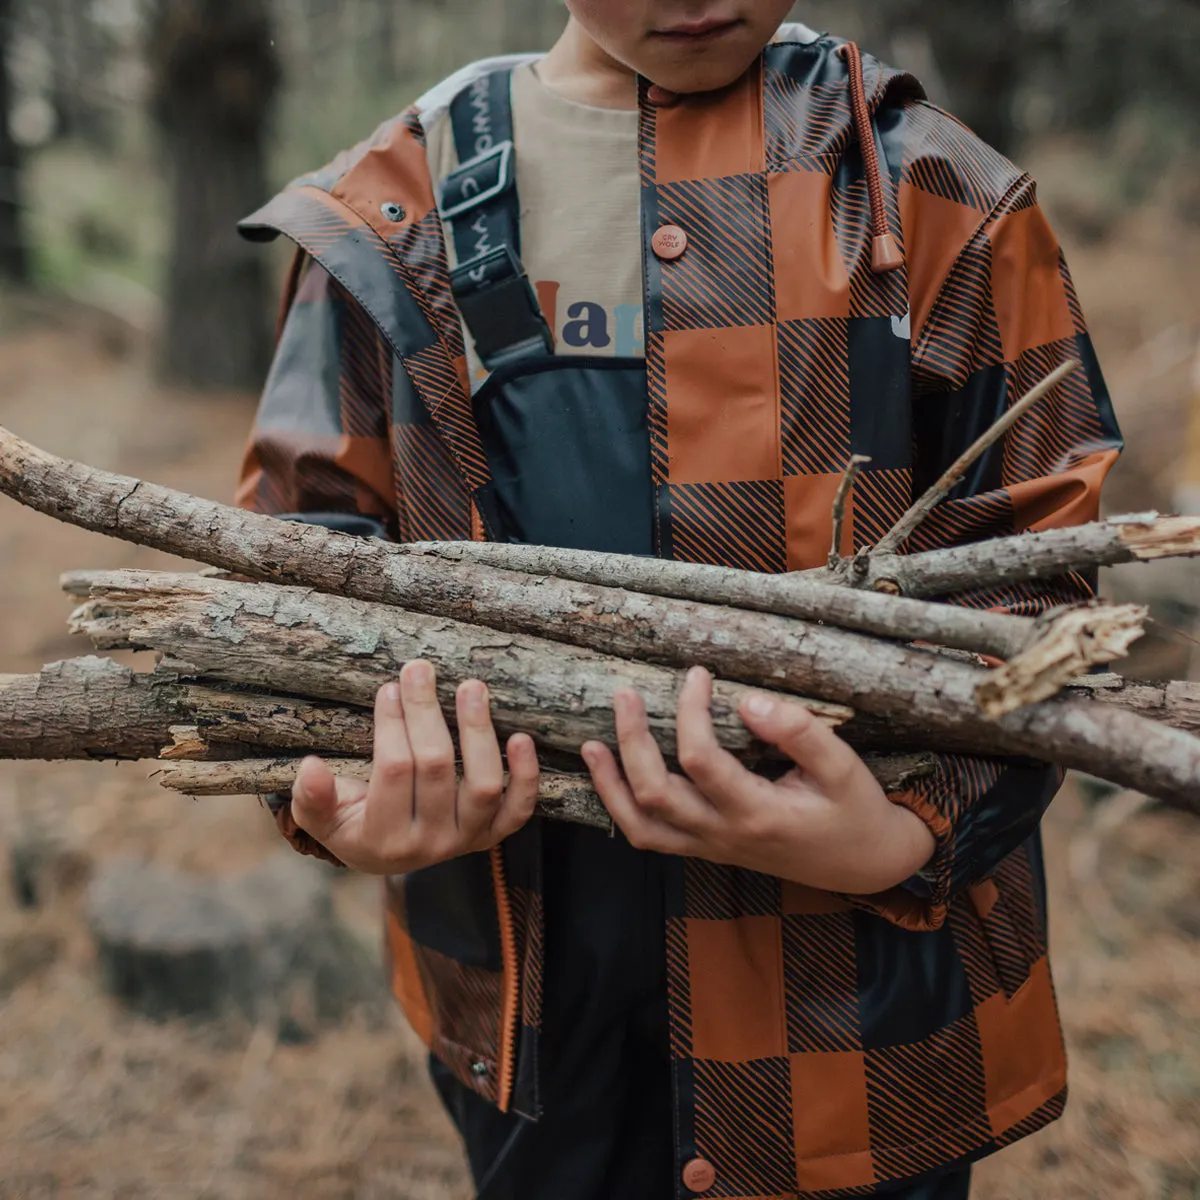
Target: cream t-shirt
{"points": [[580, 194]]}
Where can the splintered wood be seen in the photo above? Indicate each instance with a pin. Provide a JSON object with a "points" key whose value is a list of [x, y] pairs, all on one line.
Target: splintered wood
{"points": [[1075, 641]]}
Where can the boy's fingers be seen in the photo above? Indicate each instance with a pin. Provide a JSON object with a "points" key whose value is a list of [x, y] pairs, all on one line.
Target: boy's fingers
{"points": [[390, 792], [610, 784], [482, 786], [718, 775], [641, 758], [658, 793], [315, 799], [643, 832], [828, 762], [519, 801], [435, 771]]}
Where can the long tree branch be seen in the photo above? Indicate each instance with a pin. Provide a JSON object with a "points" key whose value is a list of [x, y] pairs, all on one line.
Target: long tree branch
{"points": [[1138, 538], [1045, 653], [261, 547], [286, 639], [94, 708], [568, 798], [561, 797]]}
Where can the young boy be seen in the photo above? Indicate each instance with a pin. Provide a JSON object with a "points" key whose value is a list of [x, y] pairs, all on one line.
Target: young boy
{"points": [[753, 252]]}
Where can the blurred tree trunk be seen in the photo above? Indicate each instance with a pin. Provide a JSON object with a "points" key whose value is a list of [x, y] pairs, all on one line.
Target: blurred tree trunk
{"points": [[215, 79], [978, 48], [979, 52], [14, 256]]}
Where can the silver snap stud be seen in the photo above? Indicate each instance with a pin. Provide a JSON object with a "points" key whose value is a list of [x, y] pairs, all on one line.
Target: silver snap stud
{"points": [[480, 1070], [393, 212]]}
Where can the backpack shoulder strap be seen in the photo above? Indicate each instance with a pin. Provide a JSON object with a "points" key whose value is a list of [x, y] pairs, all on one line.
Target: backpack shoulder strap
{"points": [[480, 204]]}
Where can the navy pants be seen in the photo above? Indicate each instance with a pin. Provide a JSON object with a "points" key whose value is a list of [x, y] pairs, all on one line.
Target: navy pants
{"points": [[607, 1130]]}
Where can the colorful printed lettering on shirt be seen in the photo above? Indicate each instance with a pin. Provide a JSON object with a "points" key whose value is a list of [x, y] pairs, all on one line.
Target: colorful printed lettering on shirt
{"points": [[588, 327]]}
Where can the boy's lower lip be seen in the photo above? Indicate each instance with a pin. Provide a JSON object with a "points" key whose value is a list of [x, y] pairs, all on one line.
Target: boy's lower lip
{"points": [[698, 33]]}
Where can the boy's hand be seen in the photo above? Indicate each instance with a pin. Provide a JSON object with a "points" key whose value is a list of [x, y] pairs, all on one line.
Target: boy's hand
{"points": [[415, 812], [826, 824]]}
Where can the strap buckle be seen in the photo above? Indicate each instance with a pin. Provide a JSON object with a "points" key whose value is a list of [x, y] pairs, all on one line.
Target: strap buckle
{"points": [[483, 178], [500, 308]]}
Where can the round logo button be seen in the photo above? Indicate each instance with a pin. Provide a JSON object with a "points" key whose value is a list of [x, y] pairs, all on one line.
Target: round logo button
{"points": [[669, 243], [699, 1175]]}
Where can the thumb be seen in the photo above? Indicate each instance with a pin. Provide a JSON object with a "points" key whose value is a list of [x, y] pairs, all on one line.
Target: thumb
{"points": [[315, 798], [825, 759]]}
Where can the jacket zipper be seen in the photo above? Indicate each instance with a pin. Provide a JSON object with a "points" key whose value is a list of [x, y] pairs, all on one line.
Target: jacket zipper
{"points": [[512, 986]]}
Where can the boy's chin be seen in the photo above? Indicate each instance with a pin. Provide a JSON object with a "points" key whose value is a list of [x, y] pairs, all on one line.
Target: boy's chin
{"points": [[691, 81], [690, 77]]}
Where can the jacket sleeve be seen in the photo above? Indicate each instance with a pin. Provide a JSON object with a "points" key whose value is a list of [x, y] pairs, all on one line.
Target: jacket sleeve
{"points": [[1005, 315], [320, 449]]}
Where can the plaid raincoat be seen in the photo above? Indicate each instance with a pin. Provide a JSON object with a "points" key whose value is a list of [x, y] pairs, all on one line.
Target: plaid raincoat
{"points": [[822, 1046]]}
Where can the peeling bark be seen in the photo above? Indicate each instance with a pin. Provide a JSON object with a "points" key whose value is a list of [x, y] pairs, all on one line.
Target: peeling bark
{"points": [[85, 708], [1173, 703], [94, 708], [298, 642]]}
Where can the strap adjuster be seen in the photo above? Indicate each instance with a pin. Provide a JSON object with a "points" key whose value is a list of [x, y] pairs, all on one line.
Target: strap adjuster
{"points": [[483, 178], [500, 308]]}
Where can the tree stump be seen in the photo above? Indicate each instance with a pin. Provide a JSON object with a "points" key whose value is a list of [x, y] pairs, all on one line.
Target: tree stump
{"points": [[265, 946]]}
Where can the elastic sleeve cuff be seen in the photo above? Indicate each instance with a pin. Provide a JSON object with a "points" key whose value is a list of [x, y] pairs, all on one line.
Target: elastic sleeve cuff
{"points": [[304, 843], [922, 903]]}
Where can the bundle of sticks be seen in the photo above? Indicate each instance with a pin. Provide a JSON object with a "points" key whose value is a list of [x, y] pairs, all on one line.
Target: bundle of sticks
{"points": [[276, 651]]}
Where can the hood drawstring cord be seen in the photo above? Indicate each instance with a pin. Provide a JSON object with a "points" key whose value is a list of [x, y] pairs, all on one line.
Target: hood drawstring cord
{"points": [[885, 250]]}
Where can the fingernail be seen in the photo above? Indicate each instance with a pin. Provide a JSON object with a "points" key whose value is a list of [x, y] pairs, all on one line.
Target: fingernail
{"points": [[392, 694], [420, 674], [476, 696], [697, 675], [759, 705]]}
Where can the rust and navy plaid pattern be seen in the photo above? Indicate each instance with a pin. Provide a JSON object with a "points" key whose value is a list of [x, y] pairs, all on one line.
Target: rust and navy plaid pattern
{"points": [[823, 1046]]}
